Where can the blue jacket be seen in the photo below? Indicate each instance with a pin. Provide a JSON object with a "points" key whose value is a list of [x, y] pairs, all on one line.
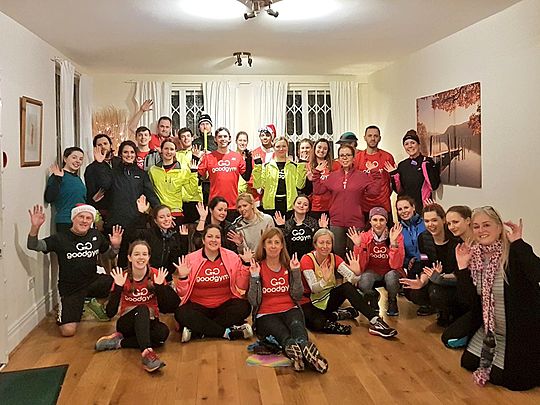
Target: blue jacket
{"points": [[411, 230]]}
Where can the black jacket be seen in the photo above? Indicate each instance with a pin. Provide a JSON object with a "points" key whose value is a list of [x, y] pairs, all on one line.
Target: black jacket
{"points": [[95, 176], [124, 184]]}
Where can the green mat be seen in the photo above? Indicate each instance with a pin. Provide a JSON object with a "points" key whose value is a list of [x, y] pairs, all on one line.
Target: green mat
{"points": [[33, 386]]}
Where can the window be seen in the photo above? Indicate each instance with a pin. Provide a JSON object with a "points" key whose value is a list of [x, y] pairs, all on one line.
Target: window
{"points": [[187, 103], [309, 113]]}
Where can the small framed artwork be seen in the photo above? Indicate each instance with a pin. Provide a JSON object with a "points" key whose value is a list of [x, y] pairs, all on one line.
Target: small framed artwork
{"points": [[31, 131]]}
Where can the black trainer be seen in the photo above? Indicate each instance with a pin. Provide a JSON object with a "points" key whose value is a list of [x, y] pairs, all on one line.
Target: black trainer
{"points": [[380, 328], [425, 310], [313, 357], [346, 313], [336, 328], [294, 352], [392, 308]]}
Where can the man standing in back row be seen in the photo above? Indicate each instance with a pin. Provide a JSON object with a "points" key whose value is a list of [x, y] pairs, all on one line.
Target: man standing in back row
{"points": [[378, 157]]}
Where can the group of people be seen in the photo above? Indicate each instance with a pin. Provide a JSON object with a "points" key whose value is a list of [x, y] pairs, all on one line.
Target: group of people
{"points": [[287, 239]]}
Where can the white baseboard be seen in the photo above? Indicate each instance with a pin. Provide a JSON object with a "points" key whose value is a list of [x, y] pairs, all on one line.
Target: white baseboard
{"points": [[26, 323]]}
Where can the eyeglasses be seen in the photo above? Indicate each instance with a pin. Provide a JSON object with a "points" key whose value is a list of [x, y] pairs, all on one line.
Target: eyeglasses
{"points": [[345, 155]]}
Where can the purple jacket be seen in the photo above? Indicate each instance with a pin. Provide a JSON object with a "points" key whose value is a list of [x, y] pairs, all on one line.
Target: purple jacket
{"points": [[348, 194]]}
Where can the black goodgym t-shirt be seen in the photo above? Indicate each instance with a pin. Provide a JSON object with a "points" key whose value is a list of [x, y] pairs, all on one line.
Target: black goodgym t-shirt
{"points": [[77, 258]]}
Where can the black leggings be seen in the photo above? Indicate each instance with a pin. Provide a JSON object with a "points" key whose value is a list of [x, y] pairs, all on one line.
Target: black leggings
{"points": [[317, 318], [212, 322], [286, 327], [141, 332]]}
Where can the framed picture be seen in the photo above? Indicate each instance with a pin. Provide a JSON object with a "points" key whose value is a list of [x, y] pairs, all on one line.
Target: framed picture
{"points": [[31, 131]]}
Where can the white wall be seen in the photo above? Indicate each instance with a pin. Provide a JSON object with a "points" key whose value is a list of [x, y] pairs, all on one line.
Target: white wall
{"points": [[503, 53], [26, 69]]}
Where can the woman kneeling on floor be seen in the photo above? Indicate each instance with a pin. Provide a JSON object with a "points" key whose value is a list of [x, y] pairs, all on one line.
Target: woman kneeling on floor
{"points": [[506, 273], [274, 292], [212, 283], [381, 254], [135, 292], [323, 297]]}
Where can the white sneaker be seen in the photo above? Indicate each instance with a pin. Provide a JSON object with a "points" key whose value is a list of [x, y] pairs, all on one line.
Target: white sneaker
{"points": [[186, 335]]}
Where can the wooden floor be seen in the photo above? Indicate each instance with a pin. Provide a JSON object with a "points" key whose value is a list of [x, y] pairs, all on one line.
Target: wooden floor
{"points": [[414, 368]]}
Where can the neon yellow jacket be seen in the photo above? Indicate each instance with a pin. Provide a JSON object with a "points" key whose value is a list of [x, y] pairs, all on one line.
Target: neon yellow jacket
{"points": [[170, 185], [266, 177], [184, 157]]}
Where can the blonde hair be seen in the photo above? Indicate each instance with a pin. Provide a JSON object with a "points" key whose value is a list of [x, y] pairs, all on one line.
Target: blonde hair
{"points": [[323, 232], [494, 215], [246, 197], [281, 138]]}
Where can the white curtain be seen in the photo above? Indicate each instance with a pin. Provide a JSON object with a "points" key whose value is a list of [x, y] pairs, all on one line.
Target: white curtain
{"points": [[345, 108], [220, 103], [67, 79], [160, 93], [270, 104], [85, 122]]}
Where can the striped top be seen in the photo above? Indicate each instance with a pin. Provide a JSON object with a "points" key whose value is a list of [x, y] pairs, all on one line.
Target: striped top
{"points": [[475, 345]]}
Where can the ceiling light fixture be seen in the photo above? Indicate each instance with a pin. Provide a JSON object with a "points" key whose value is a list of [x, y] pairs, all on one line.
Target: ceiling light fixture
{"points": [[255, 7], [240, 55]]}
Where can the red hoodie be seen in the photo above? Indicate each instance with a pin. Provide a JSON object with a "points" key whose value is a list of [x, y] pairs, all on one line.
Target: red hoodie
{"points": [[349, 192]]}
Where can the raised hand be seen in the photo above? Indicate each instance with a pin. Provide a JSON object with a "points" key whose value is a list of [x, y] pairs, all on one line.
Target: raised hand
{"points": [[389, 167], [304, 155], [159, 278], [182, 267], [202, 210], [323, 221], [321, 167], [116, 236], [99, 155], [246, 256], [463, 255], [255, 268], [147, 105], [142, 205], [55, 170], [428, 201], [235, 237], [99, 195], [354, 262], [428, 271], [196, 151], [326, 270], [354, 235], [294, 263], [119, 276], [394, 233], [414, 284], [515, 232], [280, 219], [37, 216], [183, 230], [437, 267], [194, 164]]}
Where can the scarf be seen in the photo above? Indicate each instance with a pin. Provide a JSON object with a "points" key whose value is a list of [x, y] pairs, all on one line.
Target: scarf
{"points": [[484, 274]]}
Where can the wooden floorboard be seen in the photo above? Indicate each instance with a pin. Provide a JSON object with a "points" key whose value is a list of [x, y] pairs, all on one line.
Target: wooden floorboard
{"points": [[414, 368]]}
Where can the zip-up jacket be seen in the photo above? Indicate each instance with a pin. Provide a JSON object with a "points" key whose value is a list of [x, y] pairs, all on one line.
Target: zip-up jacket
{"points": [[238, 273], [169, 184], [267, 177]]}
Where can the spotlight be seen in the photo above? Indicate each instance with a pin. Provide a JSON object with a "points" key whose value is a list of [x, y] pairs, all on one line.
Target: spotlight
{"points": [[249, 15], [238, 58], [273, 13]]}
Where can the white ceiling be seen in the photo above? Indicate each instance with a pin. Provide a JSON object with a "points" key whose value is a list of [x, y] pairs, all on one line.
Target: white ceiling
{"points": [[199, 36]]}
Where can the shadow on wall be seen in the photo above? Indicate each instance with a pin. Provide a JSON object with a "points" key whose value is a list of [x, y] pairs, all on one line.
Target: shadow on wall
{"points": [[34, 266]]}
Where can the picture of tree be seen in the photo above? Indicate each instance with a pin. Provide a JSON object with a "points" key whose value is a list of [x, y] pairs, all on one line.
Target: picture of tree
{"points": [[449, 128]]}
